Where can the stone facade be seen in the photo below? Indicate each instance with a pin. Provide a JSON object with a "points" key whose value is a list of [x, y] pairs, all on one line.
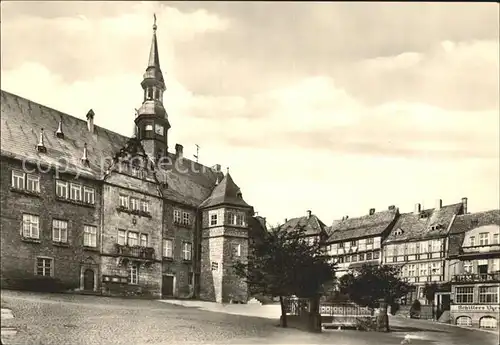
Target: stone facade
{"points": [[141, 233], [67, 255], [223, 244]]}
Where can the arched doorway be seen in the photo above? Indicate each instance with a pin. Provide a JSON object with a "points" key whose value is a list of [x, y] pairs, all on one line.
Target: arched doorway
{"points": [[88, 280], [464, 321]]}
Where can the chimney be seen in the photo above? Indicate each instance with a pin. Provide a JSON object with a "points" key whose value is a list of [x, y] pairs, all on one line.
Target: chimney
{"points": [[346, 217], [59, 132], [418, 209], [308, 214], [392, 207], [90, 121], [85, 159], [439, 204], [179, 149], [256, 214], [372, 211], [286, 220], [343, 218], [464, 205], [41, 146]]}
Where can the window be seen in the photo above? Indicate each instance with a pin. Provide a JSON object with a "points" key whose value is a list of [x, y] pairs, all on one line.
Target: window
{"points": [[190, 278], [436, 268], [341, 245], [135, 170], [17, 179], [347, 258], [369, 256], [488, 322], [145, 206], [187, 251], [124, 201], [88, 195], [157, 94], [424, 247], [90, 236], [31, 226], [232, 218], [464, 294], [62, 189], [33, 183], [185, 218], [398, 232], [472, 241], [483, 239], [213, 219], [76, 192], [239, 219], [488, 294], [340, 259], [122, 237], [237, 250], [361, 257], [132, 239], [168, 246], [134, 204], [467, 266], [424, 269], [412, 248], [144, 240], [215, 266], [354, 243], [436, 246], [177, 216], [159, 129], [496, 239], [133, 274], [59, 231], [369, 241], [149, 127], [464, 321], [44, 267], [411, 270]]}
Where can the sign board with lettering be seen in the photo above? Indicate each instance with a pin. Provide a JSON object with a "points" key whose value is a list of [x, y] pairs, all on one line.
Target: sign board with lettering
{"points": [[475, 308]]}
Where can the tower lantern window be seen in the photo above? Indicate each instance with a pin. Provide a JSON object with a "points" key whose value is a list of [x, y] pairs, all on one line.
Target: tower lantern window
{"points": [[150, 93], [157, 94]]}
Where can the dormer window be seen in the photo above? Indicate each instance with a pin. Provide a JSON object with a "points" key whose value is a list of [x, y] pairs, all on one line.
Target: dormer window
{"points": [[239, 195], [398, 232], [423, 215]]}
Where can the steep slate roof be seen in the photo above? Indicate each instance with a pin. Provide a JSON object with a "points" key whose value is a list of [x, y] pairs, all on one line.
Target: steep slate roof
{"points": [[21, 123], [365, 226], [466, 222], [312, 225], [225, 193], [415, 228]]}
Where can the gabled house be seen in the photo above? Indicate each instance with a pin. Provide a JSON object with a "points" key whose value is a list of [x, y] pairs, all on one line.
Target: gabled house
{"points": [[314, 228], [417, 243], [357, 241], [474, 269]]}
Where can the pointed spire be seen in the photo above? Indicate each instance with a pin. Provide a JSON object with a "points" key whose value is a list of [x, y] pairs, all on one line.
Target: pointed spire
{"points": [[85, 159], [227, 170], [41, 146], [154, 58], [59, 132]]}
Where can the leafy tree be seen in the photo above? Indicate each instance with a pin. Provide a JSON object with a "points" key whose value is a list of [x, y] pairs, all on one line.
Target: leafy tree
{"points": [[283, 263], [374, 286], [430, 291]]}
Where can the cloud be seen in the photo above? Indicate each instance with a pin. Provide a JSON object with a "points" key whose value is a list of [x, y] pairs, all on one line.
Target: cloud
{"points": [[334, 118]]}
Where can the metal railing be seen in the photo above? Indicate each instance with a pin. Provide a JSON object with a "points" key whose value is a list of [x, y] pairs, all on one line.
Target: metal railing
{"points": [[479, 277], [147, 253]]}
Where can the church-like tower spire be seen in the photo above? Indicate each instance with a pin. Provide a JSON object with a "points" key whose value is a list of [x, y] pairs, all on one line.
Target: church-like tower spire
{"points": [[152, 119]]}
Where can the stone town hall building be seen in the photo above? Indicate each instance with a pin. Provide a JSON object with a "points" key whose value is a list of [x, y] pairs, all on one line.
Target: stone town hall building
{"points": [[115, 215]]}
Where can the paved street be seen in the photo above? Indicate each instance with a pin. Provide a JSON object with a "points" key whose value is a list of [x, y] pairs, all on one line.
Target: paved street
{"points": [[43, 319]]}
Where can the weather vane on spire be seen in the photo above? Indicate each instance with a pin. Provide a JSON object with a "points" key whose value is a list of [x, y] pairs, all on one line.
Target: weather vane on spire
{"points": [[154, 24]]}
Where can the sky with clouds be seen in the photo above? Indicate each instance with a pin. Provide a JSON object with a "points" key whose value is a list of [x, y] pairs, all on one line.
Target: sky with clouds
{"points": [[333, 107]]}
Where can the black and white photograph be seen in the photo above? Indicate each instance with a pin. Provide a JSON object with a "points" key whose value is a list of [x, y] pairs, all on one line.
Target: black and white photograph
{"points": [[250, 172]]}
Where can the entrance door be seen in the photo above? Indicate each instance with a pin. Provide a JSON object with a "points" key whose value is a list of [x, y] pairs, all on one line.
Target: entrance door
{"points": [[167, 289], [88, 280]]}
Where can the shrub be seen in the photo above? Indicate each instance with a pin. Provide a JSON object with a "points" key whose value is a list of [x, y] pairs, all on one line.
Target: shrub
{"points": [[366, 323], [394, 308], [415, 309]]}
